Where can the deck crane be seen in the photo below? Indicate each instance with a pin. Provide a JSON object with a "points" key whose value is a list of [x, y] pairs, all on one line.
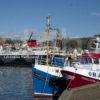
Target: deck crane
{"points": [[30, 42]]}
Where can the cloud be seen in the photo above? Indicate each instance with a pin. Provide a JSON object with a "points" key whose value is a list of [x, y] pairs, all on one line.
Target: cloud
{"points": [[96, 14]]}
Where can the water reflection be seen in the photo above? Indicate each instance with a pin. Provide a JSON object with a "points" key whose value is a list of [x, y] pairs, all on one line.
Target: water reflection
{"points": [[15, 83]]}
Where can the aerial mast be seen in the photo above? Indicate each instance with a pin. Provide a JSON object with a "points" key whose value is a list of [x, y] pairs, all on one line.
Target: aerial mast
{"points": [[58, 38], [47, 30]]}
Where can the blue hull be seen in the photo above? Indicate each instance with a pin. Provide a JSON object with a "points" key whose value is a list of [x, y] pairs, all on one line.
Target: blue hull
{"points": [[41, 82], [46, 84]]}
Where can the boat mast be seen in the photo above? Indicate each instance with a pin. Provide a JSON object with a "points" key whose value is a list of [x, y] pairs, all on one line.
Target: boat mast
{"points": [[58, 38], [47, 30]]}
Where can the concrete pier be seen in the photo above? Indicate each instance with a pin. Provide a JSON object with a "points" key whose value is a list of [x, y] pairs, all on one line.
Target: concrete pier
{"points": [[90, 92]]}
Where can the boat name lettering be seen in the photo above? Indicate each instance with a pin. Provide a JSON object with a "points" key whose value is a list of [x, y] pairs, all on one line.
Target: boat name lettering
{"points": [[37, 75], [18, 56], [27, 56], [11, 56], [94, 74]]}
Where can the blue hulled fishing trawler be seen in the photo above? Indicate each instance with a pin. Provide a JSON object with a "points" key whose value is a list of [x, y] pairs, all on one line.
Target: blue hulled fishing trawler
{"points": [[46, 73]]}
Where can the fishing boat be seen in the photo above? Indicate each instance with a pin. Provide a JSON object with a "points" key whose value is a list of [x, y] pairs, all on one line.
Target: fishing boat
{"points": [[45, 79], [21, 53], [46, 73], [84, 72]]}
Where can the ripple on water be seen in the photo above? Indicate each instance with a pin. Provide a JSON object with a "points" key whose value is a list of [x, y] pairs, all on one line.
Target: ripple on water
{"points": [[15, 83]]}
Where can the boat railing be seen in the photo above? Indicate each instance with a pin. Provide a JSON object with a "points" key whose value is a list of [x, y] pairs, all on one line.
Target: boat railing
{"points": [[42, 61], [51, 61]]}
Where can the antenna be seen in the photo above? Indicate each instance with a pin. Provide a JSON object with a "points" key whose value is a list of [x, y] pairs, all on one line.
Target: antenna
{"points": [[47, 30]]}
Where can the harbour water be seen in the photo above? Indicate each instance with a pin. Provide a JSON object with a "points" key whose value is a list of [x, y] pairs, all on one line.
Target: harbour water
{"points": [[15, 83]]}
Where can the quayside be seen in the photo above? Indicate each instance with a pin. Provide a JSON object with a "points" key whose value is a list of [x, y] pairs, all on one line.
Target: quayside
{"points": [[90, 92]]}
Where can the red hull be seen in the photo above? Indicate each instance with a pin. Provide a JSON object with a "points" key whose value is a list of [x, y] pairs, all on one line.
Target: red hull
{"points": [[77, 80]]}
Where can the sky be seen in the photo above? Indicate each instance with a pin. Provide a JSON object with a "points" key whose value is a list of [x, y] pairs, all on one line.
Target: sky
{"points": [[75, 18]]}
